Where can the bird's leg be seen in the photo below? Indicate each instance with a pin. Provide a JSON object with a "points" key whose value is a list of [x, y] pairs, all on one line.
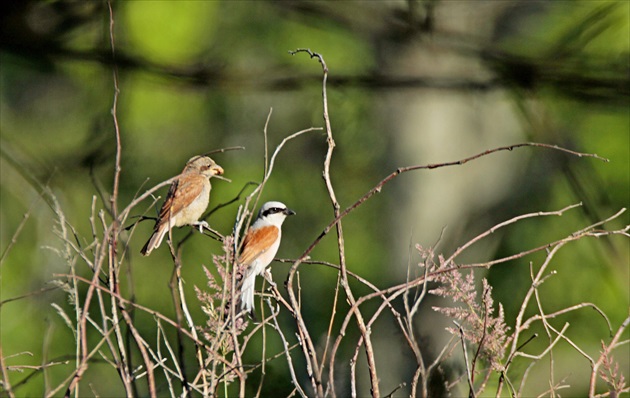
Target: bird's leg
{"points": [[201, 225], [204, 224]]}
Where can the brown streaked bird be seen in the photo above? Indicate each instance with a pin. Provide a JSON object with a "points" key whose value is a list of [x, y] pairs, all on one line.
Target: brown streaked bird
{"points": [[260, 247], [186, 200]]}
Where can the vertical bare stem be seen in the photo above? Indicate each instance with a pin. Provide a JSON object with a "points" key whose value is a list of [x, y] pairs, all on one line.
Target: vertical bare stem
{"points": [[365, 333], [471, 393]]}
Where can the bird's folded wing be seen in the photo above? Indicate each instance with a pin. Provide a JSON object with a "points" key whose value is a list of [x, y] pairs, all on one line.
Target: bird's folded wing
{"points": [[181, 194], [257, 242]]}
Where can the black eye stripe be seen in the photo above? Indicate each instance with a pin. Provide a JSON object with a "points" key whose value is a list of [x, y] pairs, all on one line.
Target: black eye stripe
{"points": [[273, 210]]}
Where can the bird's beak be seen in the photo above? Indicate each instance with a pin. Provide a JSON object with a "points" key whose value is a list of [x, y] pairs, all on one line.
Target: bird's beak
{"points": [[218, 170], [289, 212]]}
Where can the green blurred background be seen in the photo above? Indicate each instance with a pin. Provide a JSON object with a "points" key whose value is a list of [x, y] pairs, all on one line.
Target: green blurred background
{"points": [[411, 82]]}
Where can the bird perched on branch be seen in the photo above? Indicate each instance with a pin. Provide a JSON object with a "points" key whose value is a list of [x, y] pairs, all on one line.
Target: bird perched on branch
{"points": [[260, 247], [186, 200]]}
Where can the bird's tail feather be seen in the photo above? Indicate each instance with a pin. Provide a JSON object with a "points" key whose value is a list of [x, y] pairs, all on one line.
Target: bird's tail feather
{"points": [[247, 292], [154, 241]]}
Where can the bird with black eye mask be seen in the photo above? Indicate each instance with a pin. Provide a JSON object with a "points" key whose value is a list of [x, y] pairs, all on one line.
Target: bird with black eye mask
{"points": [[260, 246]]}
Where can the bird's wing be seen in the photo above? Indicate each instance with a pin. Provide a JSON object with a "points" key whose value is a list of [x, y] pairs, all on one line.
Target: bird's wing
{"points": [[257, 242], [182, 193]]}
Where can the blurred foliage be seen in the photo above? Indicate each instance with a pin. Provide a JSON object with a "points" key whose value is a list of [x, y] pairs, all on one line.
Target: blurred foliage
{"points": [[201, 75]]}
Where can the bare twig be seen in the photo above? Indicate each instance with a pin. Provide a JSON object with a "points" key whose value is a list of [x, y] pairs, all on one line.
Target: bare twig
{"points": [[287, 353], [471, 387], [379, 186], [6, 382], [141, 344], [223, 150], [18, 231], [111, 236], [365, 333]]}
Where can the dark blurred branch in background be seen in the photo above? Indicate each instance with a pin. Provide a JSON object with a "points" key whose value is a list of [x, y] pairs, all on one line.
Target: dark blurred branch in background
{"points": [[38, 31]]}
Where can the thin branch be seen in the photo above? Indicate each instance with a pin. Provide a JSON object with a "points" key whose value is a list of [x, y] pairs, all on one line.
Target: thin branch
{"points": [[379, 186], [6, 382], [471, 387], [365, 333], [140, 343], [223, 150], [18, 231], [285, 344], [506, 223]]}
